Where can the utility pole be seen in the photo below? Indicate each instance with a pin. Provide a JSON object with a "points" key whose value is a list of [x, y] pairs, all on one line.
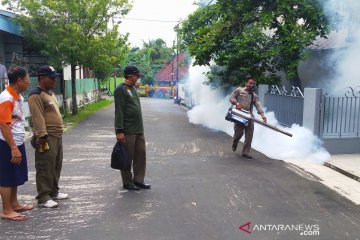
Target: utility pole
{"points": [[177, 66], [113, 23], [114, 76], [172, 71]]}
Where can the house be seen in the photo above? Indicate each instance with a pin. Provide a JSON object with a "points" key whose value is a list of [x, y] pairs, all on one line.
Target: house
{"points": [[320, 68], [10, 37], [13, 48], [167, 76]]}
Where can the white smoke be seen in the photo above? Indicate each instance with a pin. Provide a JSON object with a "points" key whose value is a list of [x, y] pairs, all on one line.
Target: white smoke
{"points": [[210, 109], [345, 19]]}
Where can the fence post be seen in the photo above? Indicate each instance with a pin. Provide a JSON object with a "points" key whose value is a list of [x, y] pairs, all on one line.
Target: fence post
{"points": [[261, 93], [311, 111]]}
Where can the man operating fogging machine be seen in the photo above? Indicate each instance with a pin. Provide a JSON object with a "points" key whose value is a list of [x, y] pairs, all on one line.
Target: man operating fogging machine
{"points": [[244, 98]]}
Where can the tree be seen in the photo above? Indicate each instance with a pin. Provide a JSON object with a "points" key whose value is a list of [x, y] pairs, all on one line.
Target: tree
{"points": [[72, 31], [108, 52], [153, 55], [256, 37], [158, 52]]}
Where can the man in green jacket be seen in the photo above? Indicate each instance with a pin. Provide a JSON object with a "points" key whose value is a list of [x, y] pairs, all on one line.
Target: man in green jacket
{"points": [[129, 129]]}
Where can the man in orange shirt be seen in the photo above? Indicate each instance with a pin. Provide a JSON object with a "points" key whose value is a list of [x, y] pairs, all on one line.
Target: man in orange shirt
{"points": [[13, 163]]}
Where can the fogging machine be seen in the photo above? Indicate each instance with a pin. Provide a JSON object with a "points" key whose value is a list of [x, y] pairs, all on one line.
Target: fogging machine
{"points": [[243, 117]]}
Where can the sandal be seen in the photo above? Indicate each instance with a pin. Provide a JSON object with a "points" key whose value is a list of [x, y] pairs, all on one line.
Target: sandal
{"points": [[16, 218], [24, 208]]}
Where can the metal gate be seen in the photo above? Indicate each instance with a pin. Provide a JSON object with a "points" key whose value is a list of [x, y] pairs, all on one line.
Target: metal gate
{"points": [[287, 105], [340, 115]]}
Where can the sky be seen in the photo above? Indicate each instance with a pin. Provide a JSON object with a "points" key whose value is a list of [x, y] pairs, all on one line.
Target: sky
{"points": [[168, 11]]}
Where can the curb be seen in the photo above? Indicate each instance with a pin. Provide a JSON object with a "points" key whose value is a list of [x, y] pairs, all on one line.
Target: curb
{"points": [[342, 171], [303, 172]]}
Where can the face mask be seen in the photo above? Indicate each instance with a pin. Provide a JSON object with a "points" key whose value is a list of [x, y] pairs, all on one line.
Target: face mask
{"points": [[253, 88]]}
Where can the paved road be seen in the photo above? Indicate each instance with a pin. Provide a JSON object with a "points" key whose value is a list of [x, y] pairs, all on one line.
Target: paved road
{"points": [[201, 190]]}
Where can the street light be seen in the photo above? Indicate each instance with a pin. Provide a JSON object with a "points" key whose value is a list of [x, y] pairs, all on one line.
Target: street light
{"points": [[113, 28], [177, 72], [172, 71]]}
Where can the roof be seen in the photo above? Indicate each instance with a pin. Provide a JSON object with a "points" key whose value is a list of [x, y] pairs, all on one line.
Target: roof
{"points": [[7, 25], [335, 40], [165, 73], [7, 13]]}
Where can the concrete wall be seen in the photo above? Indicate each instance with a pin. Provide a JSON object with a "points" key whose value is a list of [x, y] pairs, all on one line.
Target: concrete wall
{"points": [[342, 145], [81, 99], [261, 93], [67, 72], [311, 111]]}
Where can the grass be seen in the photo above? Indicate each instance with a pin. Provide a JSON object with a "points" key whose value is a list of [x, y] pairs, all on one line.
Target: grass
{"points": [[105, 84], [72, 121]]}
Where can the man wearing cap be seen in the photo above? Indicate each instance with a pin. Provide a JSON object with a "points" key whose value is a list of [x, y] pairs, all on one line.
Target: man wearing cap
{"points": [[48, 128], [129, 129]]}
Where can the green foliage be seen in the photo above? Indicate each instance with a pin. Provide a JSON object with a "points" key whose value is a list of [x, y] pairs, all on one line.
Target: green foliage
{"points": [[105, 56], [255, 37], [106, 83], [157, 51], [150, 59], [104, 73]]}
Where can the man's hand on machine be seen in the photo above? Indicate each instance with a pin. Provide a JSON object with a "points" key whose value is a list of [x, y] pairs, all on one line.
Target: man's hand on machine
{"points": [[238, 106]]}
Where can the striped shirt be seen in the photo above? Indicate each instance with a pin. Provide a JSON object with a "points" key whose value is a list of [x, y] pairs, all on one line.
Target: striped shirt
{"points": [[11, 113]]}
